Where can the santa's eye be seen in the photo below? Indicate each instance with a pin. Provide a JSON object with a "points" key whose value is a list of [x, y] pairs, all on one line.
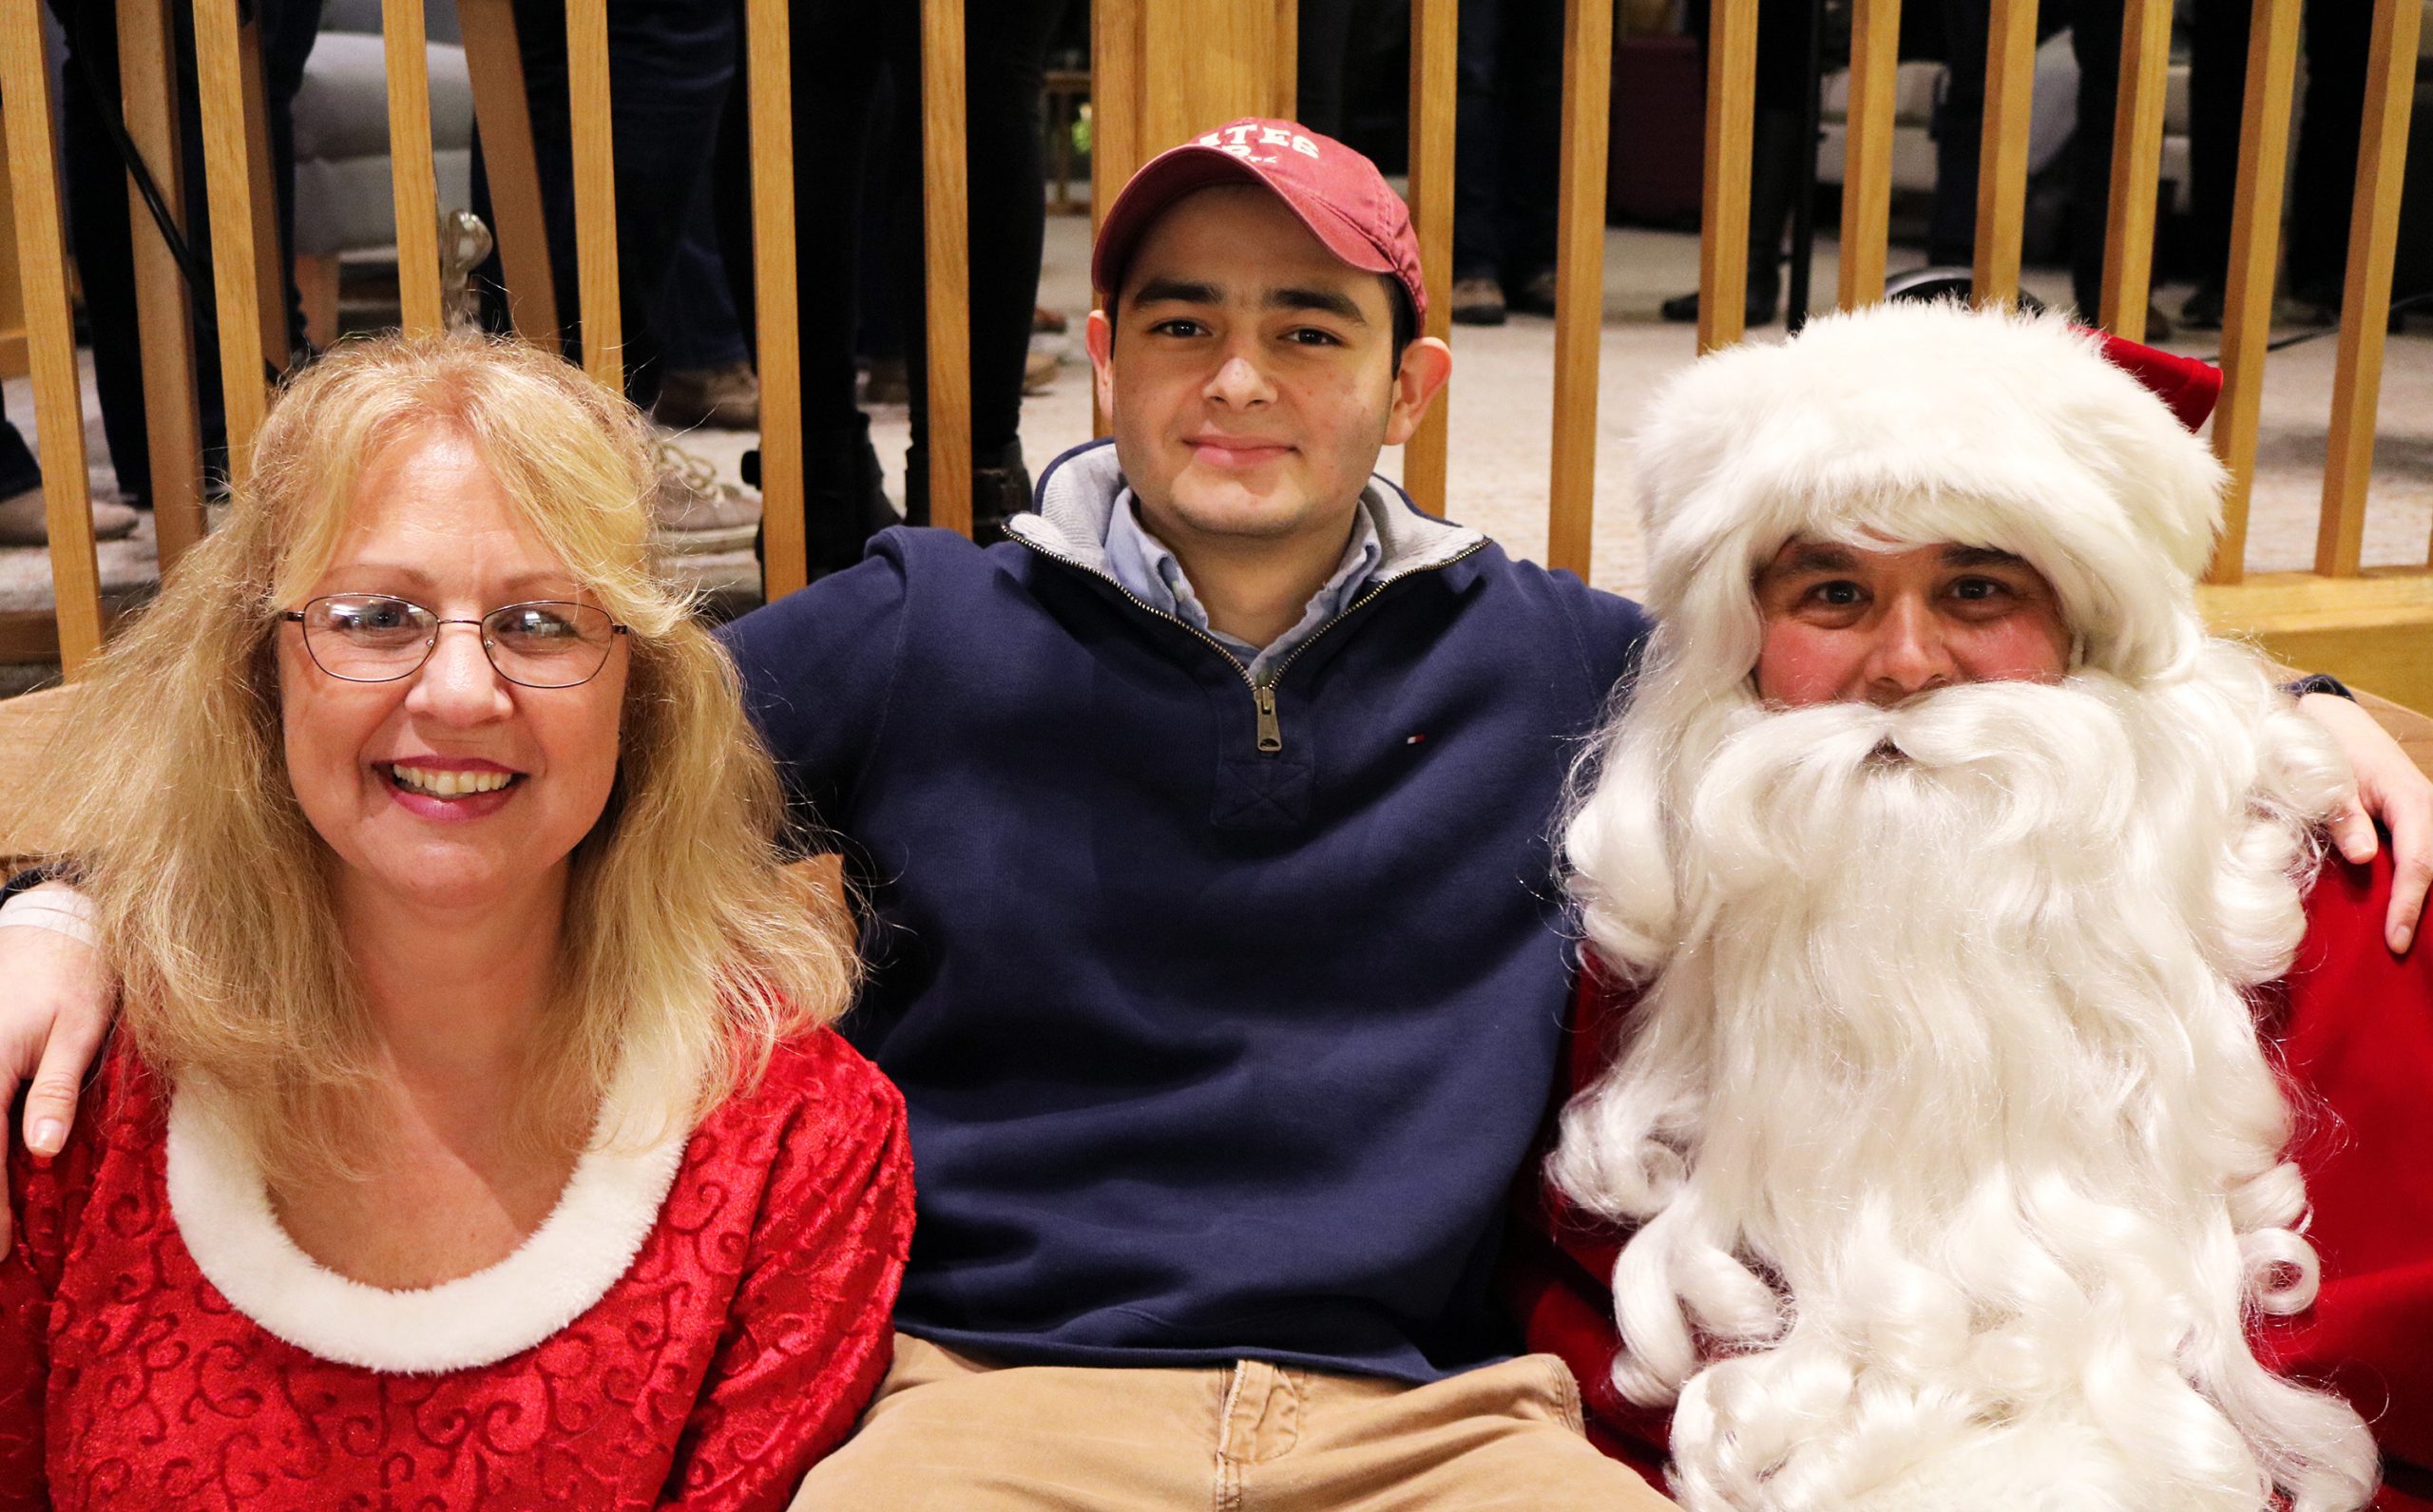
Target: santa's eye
{"points": [[1838, 594]]}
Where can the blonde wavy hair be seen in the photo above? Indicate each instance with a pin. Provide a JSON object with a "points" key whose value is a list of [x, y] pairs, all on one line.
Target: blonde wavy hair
{"points": [[690, 950]]}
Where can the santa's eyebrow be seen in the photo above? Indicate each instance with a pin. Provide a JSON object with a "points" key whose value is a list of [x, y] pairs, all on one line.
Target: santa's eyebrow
{"points": [[1981, 557], [1817, 556]]}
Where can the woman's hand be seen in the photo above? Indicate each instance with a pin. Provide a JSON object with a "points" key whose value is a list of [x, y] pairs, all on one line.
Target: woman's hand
{"points": [[54, 1013], [2390, 788]]}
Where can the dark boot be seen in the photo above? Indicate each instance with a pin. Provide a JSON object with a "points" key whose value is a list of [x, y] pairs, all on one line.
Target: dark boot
{"points": [[844, 495], [1000, 488], [1773, 177]]}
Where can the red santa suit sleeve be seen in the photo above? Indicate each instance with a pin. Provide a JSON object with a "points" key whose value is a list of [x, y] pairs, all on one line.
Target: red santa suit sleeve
{"points": [[47, 1200], [2355, 1025], [2355, 1029]]}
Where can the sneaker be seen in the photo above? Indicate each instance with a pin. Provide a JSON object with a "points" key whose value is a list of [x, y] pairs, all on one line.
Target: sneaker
{"points": [[22, 525], [1534, 295], [723, 399], [1039, 371], [2203, 311], [693, 512], [1478, 302]]}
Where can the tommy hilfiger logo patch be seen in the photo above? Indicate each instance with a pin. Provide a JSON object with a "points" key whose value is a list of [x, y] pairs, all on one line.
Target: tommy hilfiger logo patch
{"points": [[1244, 142]]}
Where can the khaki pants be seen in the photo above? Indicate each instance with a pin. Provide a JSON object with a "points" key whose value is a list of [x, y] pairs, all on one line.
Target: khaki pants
{"points": [[949, 1433]]}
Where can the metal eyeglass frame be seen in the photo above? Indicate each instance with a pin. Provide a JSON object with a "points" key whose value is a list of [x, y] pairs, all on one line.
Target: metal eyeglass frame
{"points": [[431, 642]]}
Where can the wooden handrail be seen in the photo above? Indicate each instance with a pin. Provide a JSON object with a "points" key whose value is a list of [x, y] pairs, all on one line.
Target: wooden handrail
{"points": [[220, 84], [172, 419], [2137, 166], [785, 552], [595, 192]]}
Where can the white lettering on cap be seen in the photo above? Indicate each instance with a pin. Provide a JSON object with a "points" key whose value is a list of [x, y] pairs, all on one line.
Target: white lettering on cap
{"points": [[1305, 147]]}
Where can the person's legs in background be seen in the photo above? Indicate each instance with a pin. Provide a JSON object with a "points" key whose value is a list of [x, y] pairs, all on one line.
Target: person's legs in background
{"points": [[1478, 165], [671, 63], [705, 375], [1782, 83], [2216, 96], [98, 216], [1528, 177], [2322, 184], [1959, 126], [1006, 52]]}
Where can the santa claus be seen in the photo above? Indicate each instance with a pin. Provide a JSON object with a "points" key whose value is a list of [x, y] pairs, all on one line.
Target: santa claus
{"points": [[1952, 1125]]}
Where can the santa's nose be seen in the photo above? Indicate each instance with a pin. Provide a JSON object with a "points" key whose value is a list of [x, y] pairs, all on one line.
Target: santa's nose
{"points": [[1909, 656]]}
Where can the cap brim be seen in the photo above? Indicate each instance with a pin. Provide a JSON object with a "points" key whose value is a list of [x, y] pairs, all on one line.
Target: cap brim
{"points": [[1191, 168]]}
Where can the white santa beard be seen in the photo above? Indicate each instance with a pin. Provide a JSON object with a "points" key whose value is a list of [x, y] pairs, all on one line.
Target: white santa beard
{"points": [[1948, 1052]]}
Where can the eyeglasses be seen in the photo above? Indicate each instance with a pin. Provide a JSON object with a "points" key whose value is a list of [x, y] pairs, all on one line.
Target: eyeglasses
{"points": [[373, 637]]}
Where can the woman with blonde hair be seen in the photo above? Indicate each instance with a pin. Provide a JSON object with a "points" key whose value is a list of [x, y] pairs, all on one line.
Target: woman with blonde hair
{"points": [[471, 1136]]}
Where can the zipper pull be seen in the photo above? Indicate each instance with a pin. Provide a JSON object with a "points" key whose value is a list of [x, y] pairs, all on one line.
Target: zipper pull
{"points": [[1271, 737]]}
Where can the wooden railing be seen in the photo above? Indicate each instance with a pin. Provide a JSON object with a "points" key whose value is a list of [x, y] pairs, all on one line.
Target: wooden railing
{"points": [[1162, 70]]}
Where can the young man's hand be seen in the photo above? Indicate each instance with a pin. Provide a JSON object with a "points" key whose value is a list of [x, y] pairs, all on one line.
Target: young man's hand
{"points": [[54, 1012], [2390, 788]]}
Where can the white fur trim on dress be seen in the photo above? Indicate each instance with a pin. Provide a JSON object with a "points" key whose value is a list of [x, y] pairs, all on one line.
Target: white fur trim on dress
{"points": [[221, 1205]]}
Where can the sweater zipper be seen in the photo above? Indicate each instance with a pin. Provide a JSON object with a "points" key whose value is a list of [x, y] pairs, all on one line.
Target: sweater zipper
{"points": [[1270, 733]]}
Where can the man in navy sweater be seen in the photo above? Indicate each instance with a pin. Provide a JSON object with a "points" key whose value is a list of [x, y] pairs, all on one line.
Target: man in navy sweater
{"points": [[1202, 831], [1202, 834]]}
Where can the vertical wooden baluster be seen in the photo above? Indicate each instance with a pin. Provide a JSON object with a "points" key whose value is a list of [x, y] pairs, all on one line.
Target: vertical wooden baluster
{"points": [[50, 336], [2365, 302], [220, 88], [1435, 82], [2001, 164], [1866, 150], [2255, 253], [415, 179], [2137, 166], [595, 191], [1723, 219], [494, 61], [1284, 99], [784, 547], [172, 426], [945, 211], [1579, 279], [1116, 43]]}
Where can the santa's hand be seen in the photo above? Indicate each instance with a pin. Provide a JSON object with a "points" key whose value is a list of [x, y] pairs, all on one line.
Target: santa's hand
{"points": [[2390, 788], [52, 1017]]}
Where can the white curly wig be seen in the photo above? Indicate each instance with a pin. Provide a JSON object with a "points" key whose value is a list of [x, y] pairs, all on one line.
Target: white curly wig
{"points": [[1956, 1163]]}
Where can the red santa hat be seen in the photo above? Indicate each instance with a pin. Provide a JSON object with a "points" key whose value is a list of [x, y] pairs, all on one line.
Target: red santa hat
{"points": [[1905, 425]]}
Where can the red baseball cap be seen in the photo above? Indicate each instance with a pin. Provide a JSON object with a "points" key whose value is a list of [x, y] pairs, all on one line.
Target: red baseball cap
{"points": [[1334, 191]]}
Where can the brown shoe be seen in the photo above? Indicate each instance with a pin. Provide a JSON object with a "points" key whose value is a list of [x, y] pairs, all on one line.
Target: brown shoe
{"points": [[1478, 302], [1039, 371], [723, 399], [1046, 321], [22, 524], [693, 512]]}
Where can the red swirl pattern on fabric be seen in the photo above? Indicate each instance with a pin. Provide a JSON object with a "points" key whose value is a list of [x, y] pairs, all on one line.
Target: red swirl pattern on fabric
{"points": [[738, 1349]]}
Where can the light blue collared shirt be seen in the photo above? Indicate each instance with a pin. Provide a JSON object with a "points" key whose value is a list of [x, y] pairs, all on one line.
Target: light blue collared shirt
{"points": [[1149, 572]]}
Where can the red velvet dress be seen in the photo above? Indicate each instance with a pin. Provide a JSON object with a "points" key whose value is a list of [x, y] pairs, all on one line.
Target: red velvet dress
{"points": [[693, 1325], [2355, 1029]]}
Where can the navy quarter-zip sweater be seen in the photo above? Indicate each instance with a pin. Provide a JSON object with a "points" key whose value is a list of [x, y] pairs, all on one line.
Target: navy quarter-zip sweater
{"points": [[1212, 1051]]}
